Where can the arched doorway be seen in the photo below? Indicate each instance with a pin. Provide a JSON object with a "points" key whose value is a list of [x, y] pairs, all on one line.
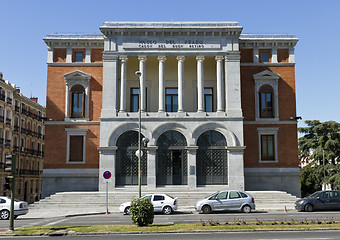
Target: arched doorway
{"points": [[172, 159], [211, 159], [127, 161]]}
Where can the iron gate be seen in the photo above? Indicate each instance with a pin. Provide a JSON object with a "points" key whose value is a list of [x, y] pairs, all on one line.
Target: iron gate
{"points": [[212, 159], [172, 159], [127, 161]]}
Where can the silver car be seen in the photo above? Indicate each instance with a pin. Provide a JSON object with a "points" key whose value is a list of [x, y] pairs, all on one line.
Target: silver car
{"points": [[231, 200]]}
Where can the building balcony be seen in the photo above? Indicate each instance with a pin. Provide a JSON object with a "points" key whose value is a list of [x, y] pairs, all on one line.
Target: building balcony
{"points": [[17, 108], [7, 142], [8, 121], [16, 128], [9, 100], [2, 97], [30, 172]]}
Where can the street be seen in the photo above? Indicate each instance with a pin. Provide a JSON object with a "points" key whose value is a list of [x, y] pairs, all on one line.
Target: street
{"points": [[178, 217], [258, 235]]}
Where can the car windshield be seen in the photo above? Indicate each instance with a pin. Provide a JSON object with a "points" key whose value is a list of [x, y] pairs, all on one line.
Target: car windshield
{"points": [[213, 197], [313, 195], [148, 196]]}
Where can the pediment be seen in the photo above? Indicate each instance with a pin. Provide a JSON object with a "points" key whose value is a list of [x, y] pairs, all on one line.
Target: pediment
{"points": [[266, 74], [77, 75]]}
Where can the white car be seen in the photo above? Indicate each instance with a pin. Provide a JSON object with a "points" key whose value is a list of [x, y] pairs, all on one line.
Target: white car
{"points": [[20, 208], [161, 203]]}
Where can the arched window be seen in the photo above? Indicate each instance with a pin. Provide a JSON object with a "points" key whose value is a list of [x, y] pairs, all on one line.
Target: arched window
{"points": [[266, 96], [266, 102], [77, 101]]}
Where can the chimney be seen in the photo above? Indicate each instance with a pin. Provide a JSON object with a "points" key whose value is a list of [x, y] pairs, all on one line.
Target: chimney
{"points": [[17, 90], [1, 75], [34, 99]]}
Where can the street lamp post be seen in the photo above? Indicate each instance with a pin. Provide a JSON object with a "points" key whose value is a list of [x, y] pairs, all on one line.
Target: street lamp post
{"points": [[139, 74]]}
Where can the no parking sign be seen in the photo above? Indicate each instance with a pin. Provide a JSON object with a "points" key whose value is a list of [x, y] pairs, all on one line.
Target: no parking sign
{"points": [[107, 176]]}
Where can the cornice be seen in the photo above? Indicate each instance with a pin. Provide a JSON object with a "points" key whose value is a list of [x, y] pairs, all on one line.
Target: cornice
{"points": [[171, 28], [80, 41], [267, 40]]}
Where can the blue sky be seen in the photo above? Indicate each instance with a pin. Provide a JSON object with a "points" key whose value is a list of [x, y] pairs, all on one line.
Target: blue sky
{"points": [[316, 23]]}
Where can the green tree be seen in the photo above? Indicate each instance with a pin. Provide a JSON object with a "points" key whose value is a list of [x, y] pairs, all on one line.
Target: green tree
{"points": [[320, 142], [142, 213]]}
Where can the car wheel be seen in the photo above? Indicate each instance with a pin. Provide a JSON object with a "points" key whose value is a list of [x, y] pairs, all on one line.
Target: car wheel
{"points": [[206, 209], [309, 208], [127, 211], [246, 209], [167, 210], [4, 214]]}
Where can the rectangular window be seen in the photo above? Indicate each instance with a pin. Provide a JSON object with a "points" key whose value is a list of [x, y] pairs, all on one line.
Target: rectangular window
{"points": [[76, 148], [265, 55], [79, 56], [267, 147], [208, 99], [171, 99], [134, 101]]}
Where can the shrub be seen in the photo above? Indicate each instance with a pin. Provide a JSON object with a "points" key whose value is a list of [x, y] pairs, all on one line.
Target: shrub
{"points": [[142, 212]]}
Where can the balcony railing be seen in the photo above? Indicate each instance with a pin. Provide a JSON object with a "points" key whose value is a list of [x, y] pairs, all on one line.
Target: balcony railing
{"points": [[30, 172], [8, 121], [9, 100]]}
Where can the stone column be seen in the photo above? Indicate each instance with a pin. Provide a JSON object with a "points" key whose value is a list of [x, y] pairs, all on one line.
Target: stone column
{"points": [[200, 84], [192, 170], [291, 55], [49, 55], [142, 93], [274, 54], [88, 55], [152, 150], [256, 56], [107, 162], [161, 84], [180, 70], [219, 74], [110, 80], [69, 55], [233, 84], [123, 60]]}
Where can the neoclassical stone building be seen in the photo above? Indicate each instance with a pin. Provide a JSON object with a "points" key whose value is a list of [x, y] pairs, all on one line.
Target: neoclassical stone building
{"points": [[217, 106]]}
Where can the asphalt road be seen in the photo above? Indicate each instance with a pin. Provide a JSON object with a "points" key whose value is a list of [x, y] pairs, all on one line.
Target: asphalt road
{"points": [[118, 218], [260, 235]]}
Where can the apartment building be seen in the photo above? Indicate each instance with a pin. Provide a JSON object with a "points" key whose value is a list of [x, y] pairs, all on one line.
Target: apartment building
{"points": [[217, 106], [22, 133]]}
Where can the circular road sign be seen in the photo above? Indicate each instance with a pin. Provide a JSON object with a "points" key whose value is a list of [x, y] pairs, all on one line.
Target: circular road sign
{"points": [[107, 174]]}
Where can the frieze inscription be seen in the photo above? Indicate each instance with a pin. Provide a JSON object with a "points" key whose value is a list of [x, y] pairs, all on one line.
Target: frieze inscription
{"points": [[172, 44]]}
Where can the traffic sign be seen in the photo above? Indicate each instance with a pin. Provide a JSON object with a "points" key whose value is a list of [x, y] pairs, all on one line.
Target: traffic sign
{"points": [[107, 175]]}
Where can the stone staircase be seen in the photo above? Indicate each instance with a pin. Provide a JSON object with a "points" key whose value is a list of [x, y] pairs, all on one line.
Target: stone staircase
{"points": [[96, 201]]}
